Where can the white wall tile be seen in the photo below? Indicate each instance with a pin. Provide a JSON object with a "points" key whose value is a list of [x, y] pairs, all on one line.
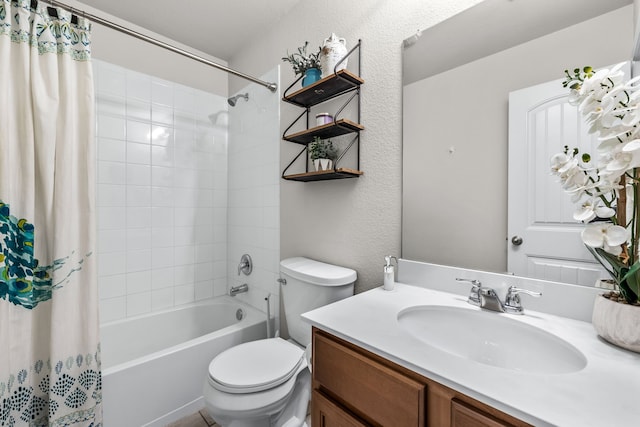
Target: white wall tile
{"points": [[112, 286], [138, 303], [162, 278], [111, 150], [162, 258], [112, 263], [162, 135], [138, 217], [138, 238], [138, 86], [161, 114], [139, 110], [184, 274], [138, 131], [162, 92], [111, 173], [138, 175], [162, 217], [111, 127], [161, 299], [113, 309], [161, 176], [184, 294], [111, 195], [183, 255], [162, 155], [138, 196], [110, 218], [185, 236], [113, 240], [139, 281], [162, 237], [159, 193], [203, 290], [138, 261], [162, 196]]}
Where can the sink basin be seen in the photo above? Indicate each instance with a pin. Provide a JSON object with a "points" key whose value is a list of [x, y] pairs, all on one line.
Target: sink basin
{"points": [[492, 339]]}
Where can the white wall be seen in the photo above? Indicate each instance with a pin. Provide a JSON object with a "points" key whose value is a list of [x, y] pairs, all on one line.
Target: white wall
{"points": [[254, 193], [467, 108], [162, 193], [352, 222]]}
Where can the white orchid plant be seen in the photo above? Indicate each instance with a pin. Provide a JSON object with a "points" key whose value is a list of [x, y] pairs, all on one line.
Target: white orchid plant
{"points": [[607, 193]]}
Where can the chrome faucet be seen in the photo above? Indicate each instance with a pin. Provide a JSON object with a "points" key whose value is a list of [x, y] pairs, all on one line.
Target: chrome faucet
{"points": [[488, 299], [235, 290]]}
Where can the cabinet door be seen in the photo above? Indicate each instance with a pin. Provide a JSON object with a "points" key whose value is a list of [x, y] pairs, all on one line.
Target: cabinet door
{"points": [[374, 392], [463, 415], [325, 413]]}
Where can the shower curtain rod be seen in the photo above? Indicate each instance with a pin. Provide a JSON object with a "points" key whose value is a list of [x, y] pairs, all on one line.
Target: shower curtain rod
{"points": [[271, 86]]}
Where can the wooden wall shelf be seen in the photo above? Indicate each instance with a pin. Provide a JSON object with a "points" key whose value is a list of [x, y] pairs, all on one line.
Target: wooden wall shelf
{"points": [[329, 130], [331, 86], [341, 173]]}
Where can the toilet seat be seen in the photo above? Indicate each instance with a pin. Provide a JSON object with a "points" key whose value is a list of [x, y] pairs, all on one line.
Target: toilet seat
{"points": [[255, 366]]}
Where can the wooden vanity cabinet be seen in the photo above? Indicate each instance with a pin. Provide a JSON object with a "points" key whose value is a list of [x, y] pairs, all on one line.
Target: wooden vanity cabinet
{"points": [[353, 387]]}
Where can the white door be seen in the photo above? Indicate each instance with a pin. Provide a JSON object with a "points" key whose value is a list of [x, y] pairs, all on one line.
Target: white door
{"points": [[544, 240]]}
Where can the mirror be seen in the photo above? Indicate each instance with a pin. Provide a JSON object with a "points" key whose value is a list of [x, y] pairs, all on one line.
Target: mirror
{"points": [[457, 76]]}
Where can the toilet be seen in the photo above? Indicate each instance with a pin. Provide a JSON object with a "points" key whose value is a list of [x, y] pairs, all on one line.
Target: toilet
{"points": [[267, 383]]}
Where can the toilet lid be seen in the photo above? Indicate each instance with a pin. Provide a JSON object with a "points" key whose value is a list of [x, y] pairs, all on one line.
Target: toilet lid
{"points": [[255, 366]]}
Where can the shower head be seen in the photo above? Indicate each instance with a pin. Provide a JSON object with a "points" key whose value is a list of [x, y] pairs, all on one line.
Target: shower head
{"points": [[232, 101]]}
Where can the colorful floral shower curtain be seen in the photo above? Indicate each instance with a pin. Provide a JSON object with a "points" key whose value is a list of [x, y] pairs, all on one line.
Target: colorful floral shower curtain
{"points": [[49, 347]]}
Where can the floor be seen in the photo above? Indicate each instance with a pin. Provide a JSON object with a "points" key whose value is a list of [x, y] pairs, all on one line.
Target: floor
{"points": [[199, 419], [202, 419]]}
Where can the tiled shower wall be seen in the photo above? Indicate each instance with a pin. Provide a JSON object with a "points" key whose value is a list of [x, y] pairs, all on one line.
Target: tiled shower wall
{"points": [[162, 193], [254, 192]]}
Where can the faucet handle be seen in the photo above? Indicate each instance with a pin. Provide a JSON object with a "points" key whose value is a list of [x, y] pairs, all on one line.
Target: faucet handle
{"points": [[474, 294], [512, 302]]}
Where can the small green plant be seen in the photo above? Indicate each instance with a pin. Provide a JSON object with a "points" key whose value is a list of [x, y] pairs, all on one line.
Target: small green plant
{"points": [[322, 149], [301, 61]]}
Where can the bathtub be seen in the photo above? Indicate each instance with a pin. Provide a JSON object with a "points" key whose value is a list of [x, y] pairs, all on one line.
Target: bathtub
{"points": [[154, 366]]}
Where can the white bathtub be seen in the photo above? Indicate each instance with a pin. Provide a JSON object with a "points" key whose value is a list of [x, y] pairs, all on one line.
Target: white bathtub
{"points": [[154, 366]]}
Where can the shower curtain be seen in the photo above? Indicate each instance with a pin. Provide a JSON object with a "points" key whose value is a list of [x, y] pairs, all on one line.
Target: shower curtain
{"points": [[49, 347]]}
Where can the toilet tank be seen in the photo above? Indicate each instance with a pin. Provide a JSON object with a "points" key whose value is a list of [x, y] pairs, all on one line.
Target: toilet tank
{"points": [[311, 284]]}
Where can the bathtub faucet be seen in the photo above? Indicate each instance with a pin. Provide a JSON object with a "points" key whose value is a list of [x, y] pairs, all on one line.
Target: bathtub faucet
{"points": [[235, 290]]}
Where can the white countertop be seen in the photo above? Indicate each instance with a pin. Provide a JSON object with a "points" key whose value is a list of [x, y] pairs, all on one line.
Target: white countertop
{"points": [[606, 393]]}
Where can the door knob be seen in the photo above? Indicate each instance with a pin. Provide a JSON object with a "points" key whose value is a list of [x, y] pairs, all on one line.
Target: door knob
{"points": [[516, 240]]}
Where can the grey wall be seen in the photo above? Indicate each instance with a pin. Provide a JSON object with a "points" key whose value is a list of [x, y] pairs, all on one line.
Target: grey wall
{"points": [[353, 222], [467, 108]]}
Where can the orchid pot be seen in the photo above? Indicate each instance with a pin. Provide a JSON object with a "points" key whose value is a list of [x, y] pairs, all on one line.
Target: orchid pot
{"points": [[606, 190]]}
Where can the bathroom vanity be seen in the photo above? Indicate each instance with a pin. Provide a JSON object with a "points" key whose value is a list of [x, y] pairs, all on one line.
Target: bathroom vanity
{"points": [[372, 365], [354, 387]]}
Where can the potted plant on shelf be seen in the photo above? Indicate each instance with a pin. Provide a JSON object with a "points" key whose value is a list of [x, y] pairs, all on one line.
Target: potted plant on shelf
{"points": [[322, 153], [303, 63], [607, 194]]}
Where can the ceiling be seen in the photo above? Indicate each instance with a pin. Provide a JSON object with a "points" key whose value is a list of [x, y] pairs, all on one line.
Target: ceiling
{"points": [[217, 27]]}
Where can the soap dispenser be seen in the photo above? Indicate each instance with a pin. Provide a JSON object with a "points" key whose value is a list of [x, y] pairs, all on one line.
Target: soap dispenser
{"points": [[389, 274]]}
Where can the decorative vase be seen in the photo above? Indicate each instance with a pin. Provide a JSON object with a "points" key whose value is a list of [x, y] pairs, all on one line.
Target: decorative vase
{"points": [[333, 50], [617, 323], [312, 75], [323, 164]]}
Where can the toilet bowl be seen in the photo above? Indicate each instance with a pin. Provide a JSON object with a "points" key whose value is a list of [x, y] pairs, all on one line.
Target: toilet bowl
{"points": [[252, 383], [267, 382]]}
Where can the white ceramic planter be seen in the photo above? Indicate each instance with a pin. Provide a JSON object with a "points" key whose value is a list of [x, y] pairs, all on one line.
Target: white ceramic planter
{"points": [[323, 164], [617, 323]]}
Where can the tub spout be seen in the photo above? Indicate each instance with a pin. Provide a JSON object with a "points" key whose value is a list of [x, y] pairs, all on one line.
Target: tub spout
{"points": [[235, 290]]}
